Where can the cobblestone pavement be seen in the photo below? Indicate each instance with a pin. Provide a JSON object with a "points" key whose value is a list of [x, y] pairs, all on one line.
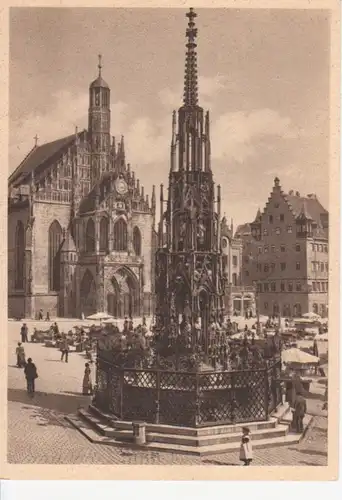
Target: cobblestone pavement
{"points": [[39, 434]]}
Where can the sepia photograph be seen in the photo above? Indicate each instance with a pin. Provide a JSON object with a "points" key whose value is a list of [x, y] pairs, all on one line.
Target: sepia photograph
{"points": [[168, 228]]}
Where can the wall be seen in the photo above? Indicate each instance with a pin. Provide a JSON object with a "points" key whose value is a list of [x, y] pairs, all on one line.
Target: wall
{"points": [[144, 223]]}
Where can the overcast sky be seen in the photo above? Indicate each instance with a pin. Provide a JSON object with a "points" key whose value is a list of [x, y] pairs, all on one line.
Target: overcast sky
{"points": [[263, 74]]}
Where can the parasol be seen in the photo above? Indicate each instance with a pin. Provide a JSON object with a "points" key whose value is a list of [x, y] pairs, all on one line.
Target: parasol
{"points": [[297, 356], [100, 316]]}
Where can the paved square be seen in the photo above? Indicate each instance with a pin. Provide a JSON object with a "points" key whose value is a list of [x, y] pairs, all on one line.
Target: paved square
{"points": [[39, 434]]}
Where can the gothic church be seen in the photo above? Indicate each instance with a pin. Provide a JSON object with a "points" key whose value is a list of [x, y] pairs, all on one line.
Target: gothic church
{"points": [[81, 233]]}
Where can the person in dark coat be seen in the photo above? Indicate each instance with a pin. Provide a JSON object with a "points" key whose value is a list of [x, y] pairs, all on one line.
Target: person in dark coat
{"points": [[65, 349], [299, 413], [24, 333], [31, 375]]}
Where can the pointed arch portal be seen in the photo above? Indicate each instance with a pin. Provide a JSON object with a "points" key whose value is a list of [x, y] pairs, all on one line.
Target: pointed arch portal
{"points": [[123, 298]]}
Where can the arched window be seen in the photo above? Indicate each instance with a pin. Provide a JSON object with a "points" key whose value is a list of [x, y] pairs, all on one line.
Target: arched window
{"points": [[19, 255], [120, 236], [90, 236], [137, 241], [104, 234], [55, 239]]}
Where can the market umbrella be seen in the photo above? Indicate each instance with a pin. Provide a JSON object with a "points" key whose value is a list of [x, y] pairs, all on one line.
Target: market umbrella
{"points": [[311, 315], [297, 356], [100, 316]]}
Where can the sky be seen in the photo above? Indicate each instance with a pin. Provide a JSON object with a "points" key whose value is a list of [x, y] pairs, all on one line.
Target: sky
{"points": [[263, 75]]}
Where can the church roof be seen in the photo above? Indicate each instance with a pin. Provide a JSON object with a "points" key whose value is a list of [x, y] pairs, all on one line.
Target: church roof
{"points": [[37, 159]]}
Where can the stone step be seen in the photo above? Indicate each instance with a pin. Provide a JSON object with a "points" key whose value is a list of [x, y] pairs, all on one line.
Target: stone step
{"points": [[189, 431], [95, 437], [172, 438]]}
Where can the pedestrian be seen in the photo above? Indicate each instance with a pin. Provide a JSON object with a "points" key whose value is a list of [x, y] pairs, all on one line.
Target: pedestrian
{"points": [[65, 349], [31, 375], [246, 450], [20, 352], [24, 333], [87, 384], [40, 315], [299, 413], [47, 316]]}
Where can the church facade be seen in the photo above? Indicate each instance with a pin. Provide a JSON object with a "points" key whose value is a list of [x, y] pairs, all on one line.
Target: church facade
{"points": [[81, 235]]}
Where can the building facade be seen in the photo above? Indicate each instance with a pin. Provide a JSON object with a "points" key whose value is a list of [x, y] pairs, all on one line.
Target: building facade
{"points": [[239, 296], [81, 233], [286, 254]]}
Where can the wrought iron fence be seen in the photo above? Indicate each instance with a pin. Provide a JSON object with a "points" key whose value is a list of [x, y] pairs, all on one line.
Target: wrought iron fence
{"points": [[187, 398]]}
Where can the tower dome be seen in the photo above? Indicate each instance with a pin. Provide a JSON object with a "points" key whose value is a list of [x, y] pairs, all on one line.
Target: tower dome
{"points": [[99, 82]]}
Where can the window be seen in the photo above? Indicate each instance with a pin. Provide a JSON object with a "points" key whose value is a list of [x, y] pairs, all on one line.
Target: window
{"points": [[234, 278], [247, 273], [289, 229], [258, 267], [19, 255], [314, 287], [104, 234], [313, 266], [259, 287], [120, 236], [298, 287], [297, 266], [272, 266], [322, 267], [326, 248], [273, 248], [290, 286], [276, 205], [313, 247], [282, 287], [321, 248], [282, 266], [297, 248], [282, 218], [266, 249], [266, 268], [54, 256], [259, 249], [327, 266], [282, 248], [265, 287], [278, 231], [90, 236], [318, 286], [137, 241], [265, 232], [234, 260], [273, 286], [266, 305], [270, 219]]}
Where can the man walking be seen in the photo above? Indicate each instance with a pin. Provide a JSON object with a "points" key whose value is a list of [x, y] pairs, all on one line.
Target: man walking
{"points": [[65, 349], [24, 333], [299, 412], [31, 375]]}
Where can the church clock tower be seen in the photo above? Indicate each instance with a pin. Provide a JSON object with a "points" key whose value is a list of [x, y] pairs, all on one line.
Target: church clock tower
{"points": [[189, 282], [99, 126]]}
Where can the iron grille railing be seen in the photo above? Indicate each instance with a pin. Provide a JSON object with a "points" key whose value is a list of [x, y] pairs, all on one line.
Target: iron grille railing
{"points": [[187, 398]]}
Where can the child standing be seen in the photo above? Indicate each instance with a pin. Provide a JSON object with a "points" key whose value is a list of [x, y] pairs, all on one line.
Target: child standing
{"points": [[246, 450]]}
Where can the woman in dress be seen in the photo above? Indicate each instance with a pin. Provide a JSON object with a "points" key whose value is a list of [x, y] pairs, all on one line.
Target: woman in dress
{"points": [[87, 385]]}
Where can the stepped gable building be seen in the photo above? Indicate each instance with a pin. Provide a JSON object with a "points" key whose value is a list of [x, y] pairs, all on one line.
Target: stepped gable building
{"points": [[285, 254], [80, 227]]}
